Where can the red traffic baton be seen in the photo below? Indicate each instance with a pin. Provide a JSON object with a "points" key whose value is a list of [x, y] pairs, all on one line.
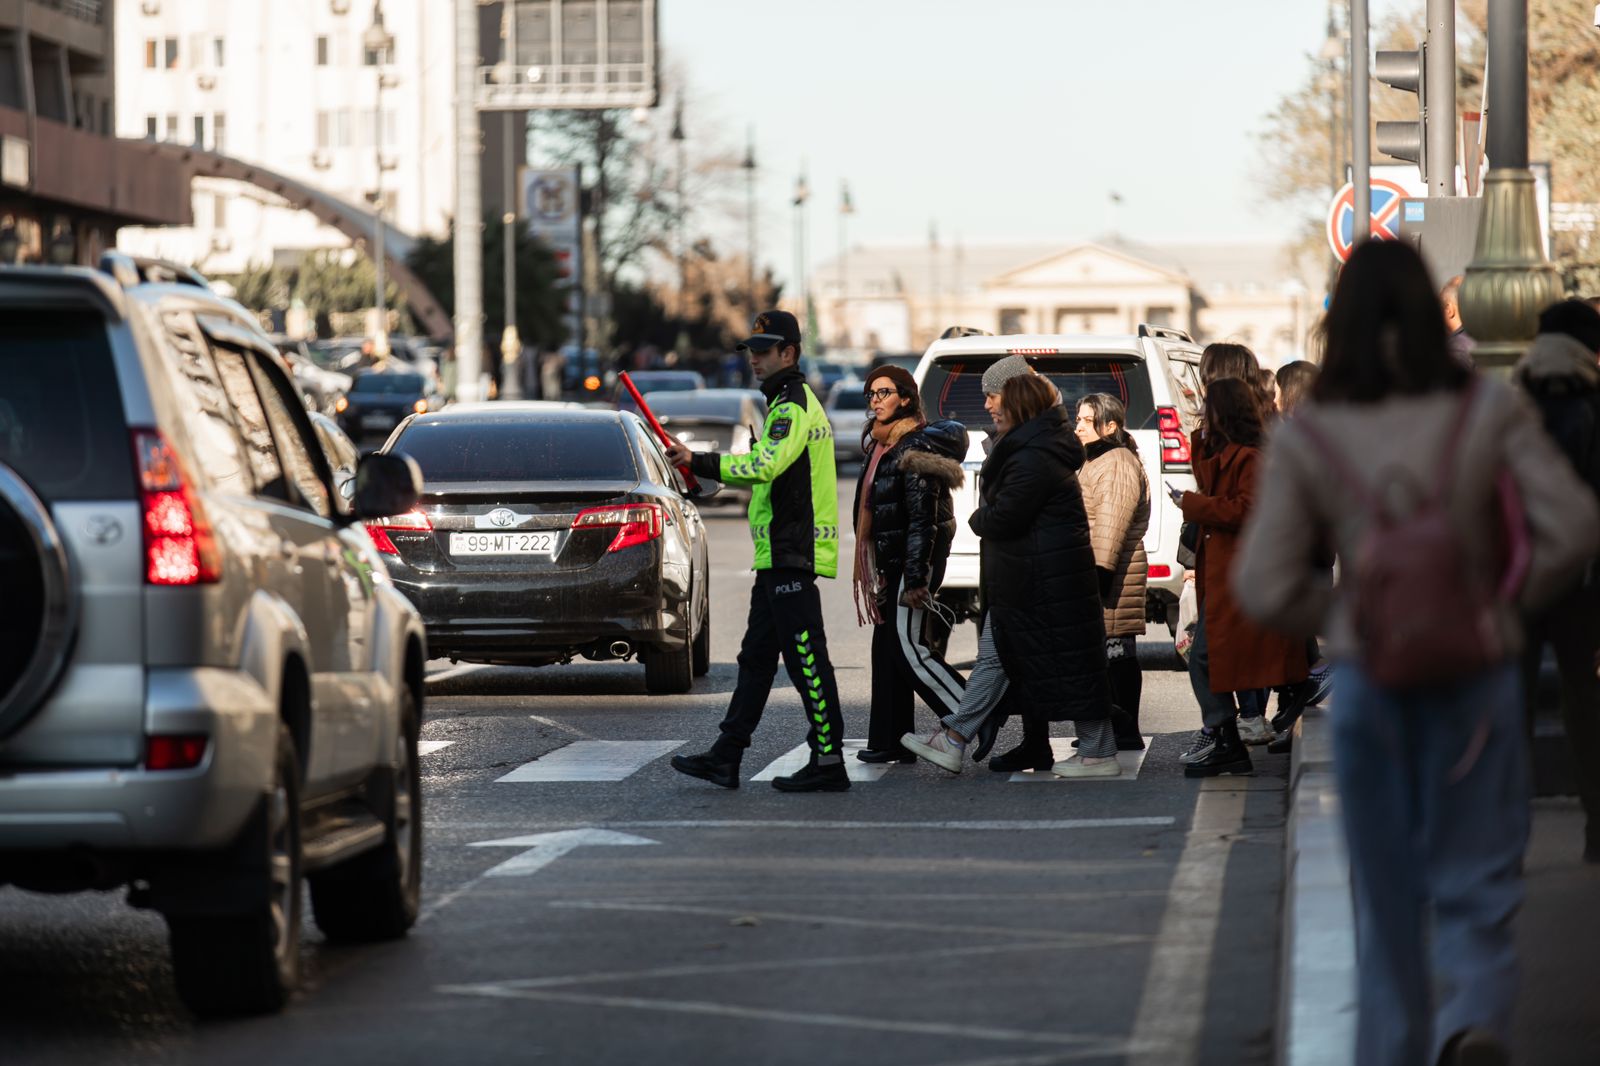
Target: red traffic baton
{"points": [[649, 416]]}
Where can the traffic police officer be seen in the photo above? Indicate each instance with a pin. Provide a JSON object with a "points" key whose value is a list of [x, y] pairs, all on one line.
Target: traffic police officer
{"points": [[794, 521]]}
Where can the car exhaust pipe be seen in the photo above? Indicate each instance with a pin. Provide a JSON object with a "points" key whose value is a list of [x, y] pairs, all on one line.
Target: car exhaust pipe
{"points": [[619, 649]]}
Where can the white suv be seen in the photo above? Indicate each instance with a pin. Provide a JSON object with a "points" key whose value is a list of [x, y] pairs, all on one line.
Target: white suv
{"points": [[1154, 372]]}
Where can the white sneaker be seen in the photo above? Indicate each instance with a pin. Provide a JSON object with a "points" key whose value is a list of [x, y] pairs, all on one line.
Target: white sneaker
{"points": [[1255, 730], [1076, 767], [936, 748]]}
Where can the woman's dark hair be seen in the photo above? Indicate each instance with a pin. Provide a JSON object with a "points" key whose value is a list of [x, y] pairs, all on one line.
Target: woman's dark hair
{"points": [[1026, 397], [1108, 409], [1578, 319], [1294, 383], [1224, 360], [912, 409], [1232, 415], [1386, 331], [1264, 385]]}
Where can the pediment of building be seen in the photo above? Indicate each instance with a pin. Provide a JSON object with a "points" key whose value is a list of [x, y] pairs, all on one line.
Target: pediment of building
{"points": [[1087, 264]]}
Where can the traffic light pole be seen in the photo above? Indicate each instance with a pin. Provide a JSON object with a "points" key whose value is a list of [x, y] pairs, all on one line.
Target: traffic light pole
{"points": [[1440, 96], [469, 207], [1360, 125]]}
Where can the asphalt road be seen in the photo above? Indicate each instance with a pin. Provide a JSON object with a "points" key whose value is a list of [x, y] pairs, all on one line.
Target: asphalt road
{"points": [[919, 918]]}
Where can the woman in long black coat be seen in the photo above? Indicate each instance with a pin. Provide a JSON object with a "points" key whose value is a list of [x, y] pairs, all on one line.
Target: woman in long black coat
{"points": [[1038, 582]]}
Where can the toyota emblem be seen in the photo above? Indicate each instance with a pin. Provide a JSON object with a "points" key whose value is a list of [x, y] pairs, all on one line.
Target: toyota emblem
{"points": [[501, 517]]}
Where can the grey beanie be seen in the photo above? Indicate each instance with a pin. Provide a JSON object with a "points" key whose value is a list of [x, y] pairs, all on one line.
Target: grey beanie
{"points": [[1012, 366]]}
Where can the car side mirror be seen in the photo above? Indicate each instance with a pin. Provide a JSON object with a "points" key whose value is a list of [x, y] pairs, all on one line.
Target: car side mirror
{"points": [[704, 489], [386, 484]]}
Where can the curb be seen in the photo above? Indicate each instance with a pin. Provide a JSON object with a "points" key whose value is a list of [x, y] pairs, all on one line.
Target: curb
{"points": [[1317, 991]]}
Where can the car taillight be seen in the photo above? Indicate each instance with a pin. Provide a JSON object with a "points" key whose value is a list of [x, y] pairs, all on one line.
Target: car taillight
{"points": [[411, 521], [1174, 444], [183, 752], [179, 546], [1161, 571], [635, 523]]}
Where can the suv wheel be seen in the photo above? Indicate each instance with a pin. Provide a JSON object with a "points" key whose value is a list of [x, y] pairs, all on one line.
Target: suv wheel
{"points": [[249, 962], [376, 895], [37, 626]]}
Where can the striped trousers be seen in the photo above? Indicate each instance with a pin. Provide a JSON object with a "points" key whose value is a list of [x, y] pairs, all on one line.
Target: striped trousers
{"points": [[903, 668]]}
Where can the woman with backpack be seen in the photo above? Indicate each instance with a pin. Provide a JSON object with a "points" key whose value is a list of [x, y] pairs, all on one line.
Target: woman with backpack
{"points": [[1230, 654], [1451, 512]]}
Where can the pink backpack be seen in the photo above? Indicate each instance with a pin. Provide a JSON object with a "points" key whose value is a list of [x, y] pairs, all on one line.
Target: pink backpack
{"points": [[1421, 614]]}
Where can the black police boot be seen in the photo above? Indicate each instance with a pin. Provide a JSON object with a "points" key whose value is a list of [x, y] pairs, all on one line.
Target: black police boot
{"points": [[814, 778], [1025, 756], [1228, 756], [873, 756], [709, 766]]}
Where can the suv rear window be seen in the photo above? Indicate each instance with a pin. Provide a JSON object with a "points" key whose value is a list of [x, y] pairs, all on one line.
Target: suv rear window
{"points": [[388, 384], [954, 386], [469, 450], [61, 423]]}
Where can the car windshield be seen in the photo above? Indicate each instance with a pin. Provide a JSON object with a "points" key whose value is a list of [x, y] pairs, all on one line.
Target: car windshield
{"points": [[61, 423], [521, 450], [388, 384], [849, 400], [667, 382], [954, 385], [695, 405]]}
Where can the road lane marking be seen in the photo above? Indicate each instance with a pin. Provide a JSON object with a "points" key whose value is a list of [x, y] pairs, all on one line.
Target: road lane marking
{"points": [[1090, 1047], [1019, 825], [457, 671], [546, 848], [796, 757], [1131, 761], [428, 747], [591, 760], [1171, 1018], [553, 724]]}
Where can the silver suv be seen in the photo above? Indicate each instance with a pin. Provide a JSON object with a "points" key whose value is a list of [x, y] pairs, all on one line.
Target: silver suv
{"points": [[209, 689], [1154, 371]]}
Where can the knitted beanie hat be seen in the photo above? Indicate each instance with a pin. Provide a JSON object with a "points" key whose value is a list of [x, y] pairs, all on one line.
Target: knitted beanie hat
{"points": [[1012, 366]]}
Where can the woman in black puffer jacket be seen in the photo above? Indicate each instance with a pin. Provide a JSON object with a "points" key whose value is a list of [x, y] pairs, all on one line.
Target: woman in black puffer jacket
{"points": [[905, 522]]}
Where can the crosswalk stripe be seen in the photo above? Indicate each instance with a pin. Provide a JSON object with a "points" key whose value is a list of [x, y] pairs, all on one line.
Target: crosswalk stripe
{"points": [[797, 757], [591, 760], [1132, 762], [428, 747]]}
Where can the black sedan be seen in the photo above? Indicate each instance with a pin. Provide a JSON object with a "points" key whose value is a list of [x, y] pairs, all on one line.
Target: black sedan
{"points": [[725, 421], [379, 400], [547, 534]]}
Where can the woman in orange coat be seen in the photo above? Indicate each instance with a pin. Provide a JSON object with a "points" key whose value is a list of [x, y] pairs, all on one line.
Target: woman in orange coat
{"points": [[1230, 653]]}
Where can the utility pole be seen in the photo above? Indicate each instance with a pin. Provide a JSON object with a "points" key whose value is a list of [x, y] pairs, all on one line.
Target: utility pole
{"points": [[683, 252], [1360, 124], [378, 41], [802, 193], [510, 339], [749, 166], [846, 209], [469, 208], [1439, 98]]}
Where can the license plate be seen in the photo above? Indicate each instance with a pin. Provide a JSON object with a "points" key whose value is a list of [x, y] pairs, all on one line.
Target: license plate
{"points": [[540, 543], [376, 422]]}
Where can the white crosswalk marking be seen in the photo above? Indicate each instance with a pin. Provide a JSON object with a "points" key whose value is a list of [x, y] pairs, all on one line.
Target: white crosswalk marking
{"points": [[796, 758], [428, 747], [592, 760], [1132, 762]]}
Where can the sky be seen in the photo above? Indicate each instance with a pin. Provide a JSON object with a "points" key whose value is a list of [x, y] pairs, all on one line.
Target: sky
{"points": [[999, 121]]}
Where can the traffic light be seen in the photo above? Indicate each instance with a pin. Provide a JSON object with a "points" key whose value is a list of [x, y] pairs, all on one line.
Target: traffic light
{"points": [[1406, 71]]}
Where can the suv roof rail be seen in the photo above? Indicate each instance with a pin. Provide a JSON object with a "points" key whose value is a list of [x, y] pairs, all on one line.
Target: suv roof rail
{"points": [[1168, 333], [132, 270], [964, 331]]}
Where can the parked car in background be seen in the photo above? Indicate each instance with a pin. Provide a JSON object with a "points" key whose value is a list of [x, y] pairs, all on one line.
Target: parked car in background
{"points": [[380, 400], [725, 421], [209, 690], [1153, 371], [656, 381], [846, 408], [545, 535]]}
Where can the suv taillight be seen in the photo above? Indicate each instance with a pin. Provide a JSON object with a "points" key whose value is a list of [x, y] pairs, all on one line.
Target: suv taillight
{"points": [[179, 546], [1174, 445], [635, 523], [411, 521], [182, 752]]}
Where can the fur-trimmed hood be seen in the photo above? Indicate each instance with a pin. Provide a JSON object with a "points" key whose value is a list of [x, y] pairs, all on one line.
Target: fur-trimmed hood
{"points": [[936, 468], [1553, 356]]}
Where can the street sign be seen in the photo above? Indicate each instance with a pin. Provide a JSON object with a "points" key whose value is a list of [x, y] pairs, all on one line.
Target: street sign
{"points": [[573, 54], [1387, 198]]}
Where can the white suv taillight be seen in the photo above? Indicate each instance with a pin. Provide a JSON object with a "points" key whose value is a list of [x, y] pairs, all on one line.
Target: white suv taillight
{"points": [[1174, 445], [179, 546], [635, 523]]}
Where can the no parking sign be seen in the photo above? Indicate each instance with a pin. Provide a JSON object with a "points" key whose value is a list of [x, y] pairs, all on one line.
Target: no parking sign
{"points": [[1386, 200]]}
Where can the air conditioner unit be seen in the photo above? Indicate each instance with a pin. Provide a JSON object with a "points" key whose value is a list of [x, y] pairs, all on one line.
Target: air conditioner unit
{"points": [[206, 80]]}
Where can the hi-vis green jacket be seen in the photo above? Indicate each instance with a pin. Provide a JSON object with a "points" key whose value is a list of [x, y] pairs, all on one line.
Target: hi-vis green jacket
{"points": [[794, 496]]}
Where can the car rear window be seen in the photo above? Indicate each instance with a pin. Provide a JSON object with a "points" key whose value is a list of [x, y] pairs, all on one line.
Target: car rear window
{"points": [[61, 422], [954, 386], [694, 405], [463, 450], [849, 400], [387, 383]]}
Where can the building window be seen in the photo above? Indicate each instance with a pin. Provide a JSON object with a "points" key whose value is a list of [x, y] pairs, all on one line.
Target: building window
{"points": [[1158, 316], [219, 127], [324, 130], [199, 131], [172, 127], [152, 127], [218, 52], [322, 50], [172, 53], [151, 52], [219, 212], [372, 58]]}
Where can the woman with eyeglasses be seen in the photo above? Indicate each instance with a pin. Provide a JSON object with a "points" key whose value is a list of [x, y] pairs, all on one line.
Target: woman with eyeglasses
{"points": [[905, 522]]}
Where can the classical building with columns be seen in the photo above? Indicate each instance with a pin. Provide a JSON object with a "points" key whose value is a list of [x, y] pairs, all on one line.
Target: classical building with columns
{"points": [[900, 298]]}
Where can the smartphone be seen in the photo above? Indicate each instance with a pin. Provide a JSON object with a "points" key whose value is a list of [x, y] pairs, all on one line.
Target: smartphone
{"points": [[1170, 489]]}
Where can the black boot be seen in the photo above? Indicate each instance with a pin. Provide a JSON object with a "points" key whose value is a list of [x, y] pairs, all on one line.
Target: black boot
{"points": [[1032, 754], [883, 755], [1229, 756], [814, 778], [988, 732], [709, 766], [1126, 728]]}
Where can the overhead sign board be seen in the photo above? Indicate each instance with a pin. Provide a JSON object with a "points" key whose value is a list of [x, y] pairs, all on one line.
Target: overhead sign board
{"points": [[573, 54]]}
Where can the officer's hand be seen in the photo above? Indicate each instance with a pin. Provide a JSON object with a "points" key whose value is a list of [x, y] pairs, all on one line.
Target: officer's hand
{"points": [[678, 453], [917, 599]]}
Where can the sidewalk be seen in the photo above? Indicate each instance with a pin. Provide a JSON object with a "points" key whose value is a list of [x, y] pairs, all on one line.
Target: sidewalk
{"points": [[1558, 1015]]}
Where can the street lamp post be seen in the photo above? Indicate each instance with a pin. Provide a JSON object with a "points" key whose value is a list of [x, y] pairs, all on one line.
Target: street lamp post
{"points": [[683, 255], [379, 41], [510, 339], [802, 193], [749, 166], [846, 209]]}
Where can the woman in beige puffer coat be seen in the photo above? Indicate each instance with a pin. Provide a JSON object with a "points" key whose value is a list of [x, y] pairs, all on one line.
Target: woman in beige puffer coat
{"points": [[1116, 494]]}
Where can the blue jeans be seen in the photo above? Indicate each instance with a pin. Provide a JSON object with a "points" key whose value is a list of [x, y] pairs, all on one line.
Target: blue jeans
{"points": [[1216, 708], [1434, 785]]}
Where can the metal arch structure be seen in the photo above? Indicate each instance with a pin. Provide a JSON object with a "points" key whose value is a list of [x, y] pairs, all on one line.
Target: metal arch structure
{"points": [[352, 221]]}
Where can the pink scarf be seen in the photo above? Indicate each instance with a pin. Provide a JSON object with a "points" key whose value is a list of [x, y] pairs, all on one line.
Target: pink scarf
{"points": [[867, 582]]}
